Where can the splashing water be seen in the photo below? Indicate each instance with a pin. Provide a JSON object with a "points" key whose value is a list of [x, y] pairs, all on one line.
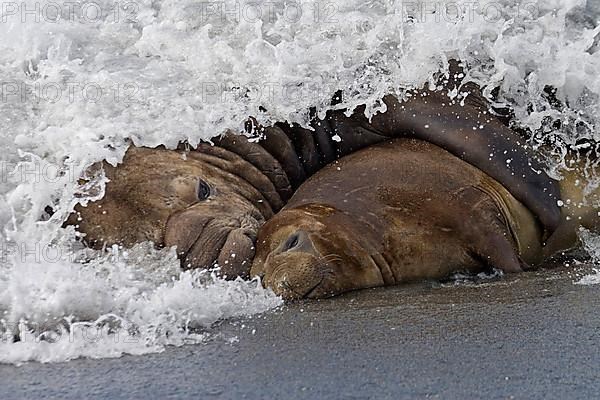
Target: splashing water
{"points": [[80, 82], [134, 301], [591, 243]]}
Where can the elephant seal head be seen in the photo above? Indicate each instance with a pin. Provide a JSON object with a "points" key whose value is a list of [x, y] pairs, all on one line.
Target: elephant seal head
{"points": [[313, 251], [208, 202]]}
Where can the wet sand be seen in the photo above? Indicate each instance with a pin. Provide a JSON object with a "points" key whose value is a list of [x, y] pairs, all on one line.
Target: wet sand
{"points": [[533, 335]]}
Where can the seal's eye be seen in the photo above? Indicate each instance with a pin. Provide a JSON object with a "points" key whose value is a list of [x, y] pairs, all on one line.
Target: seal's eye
{"points": [[203, 190], [291, 242]]}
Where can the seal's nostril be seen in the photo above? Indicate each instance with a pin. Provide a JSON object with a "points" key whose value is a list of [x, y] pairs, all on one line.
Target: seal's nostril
{"points": [[291, 242]]}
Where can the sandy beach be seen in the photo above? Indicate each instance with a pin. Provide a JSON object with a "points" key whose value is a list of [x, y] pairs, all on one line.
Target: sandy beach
{"points": [[533, 335]]}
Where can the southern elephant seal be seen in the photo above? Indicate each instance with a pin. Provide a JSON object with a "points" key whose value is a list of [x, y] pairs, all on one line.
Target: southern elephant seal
{"points": [[209, 201], [402, 211]]}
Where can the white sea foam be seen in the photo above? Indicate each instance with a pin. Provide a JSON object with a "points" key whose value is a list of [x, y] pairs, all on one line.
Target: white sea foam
{"points": [[79, 90], [135, 301], [591, 243]]}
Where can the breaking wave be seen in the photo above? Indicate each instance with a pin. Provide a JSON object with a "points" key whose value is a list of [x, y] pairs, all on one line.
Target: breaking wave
{"points": [[81, 81]]}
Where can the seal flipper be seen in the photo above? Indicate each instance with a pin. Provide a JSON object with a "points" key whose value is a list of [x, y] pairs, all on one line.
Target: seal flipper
{"points": [[492, 243], [496, 250], [486, 231]]}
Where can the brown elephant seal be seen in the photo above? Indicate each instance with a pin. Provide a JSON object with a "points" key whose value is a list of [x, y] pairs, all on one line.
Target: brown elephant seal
{"points": [[209, 201], [397, 212], [207, 205]]}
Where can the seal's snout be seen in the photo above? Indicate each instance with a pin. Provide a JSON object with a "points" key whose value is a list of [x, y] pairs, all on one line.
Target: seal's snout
{"points": [[204, 242], [294, 268], [294, 256]]}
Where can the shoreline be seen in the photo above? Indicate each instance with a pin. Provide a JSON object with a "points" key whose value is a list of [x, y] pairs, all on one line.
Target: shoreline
{"points": [[530, 335]]}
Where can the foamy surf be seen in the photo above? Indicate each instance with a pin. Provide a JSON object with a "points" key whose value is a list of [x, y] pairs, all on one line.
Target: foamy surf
{"points": [[591, 243], [80, 88], [126, 302]]}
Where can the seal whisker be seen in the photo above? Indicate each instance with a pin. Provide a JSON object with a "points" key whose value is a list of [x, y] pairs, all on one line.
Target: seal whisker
{"points": [[323, 266], [331, 255], [279, 267], [330, 258]]}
